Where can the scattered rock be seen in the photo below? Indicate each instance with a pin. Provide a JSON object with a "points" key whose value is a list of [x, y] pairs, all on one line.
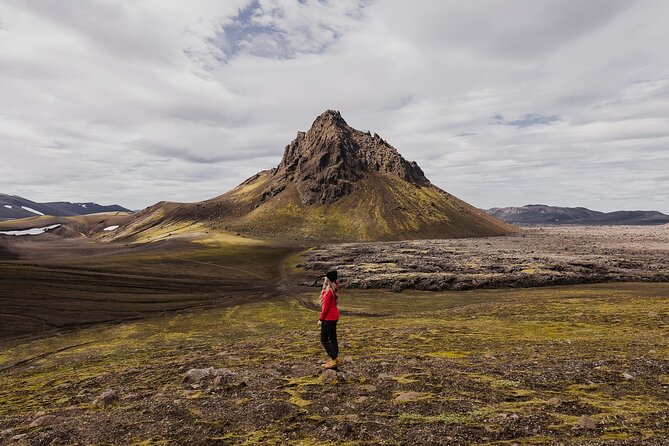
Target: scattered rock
{"points": [[361, 399], [408, 396], [197, 375], [19, 437], [209, 377], [368, 388], [555, 401], [107, 398], [329, 376], [627, 376], [44, 419], [385, 376], [585, 422]]}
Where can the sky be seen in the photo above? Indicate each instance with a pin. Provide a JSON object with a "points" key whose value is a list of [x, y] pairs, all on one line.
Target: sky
{"points": [[502, 103]]}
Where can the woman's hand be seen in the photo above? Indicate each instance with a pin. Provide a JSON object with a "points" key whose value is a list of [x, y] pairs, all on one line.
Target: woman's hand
{"points": [[320, 323]]}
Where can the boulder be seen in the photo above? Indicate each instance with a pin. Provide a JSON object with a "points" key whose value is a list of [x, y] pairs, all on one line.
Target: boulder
{"points": [[585, 422], [207, 377], [408, 396], [43, 420], [329, 376], [368, 388], [555, 401], [107, 398]]}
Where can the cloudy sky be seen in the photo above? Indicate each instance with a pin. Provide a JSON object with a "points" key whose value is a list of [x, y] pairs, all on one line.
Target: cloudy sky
{"points": [[563, 102]]}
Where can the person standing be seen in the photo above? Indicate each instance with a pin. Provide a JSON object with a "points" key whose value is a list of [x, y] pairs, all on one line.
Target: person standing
{"points": [[328, 319]]}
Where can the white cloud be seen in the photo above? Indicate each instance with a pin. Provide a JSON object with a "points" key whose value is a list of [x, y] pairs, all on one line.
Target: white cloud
{"points": [[501, 103]]}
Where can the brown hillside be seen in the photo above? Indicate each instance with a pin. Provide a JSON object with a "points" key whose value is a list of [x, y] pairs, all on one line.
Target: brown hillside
{"points": [[334, 183]]}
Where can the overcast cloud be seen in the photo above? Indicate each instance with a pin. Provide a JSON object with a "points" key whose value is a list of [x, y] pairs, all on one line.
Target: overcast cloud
{"points": [[562, 102]]}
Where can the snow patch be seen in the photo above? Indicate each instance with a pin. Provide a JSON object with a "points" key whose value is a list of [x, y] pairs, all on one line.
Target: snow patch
{"points": [[31, 210], [33, 231], [111, 228], [8, 206]]}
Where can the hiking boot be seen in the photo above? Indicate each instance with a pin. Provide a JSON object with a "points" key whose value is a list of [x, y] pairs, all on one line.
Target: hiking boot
{"points": [[328, 364], [332, 364]]}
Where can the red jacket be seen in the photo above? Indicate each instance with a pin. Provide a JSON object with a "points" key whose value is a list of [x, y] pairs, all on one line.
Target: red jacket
{"points": [[329, 311]]}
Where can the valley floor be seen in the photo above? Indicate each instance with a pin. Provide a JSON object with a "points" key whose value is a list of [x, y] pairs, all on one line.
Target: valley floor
{"points": [[207, 339], [567, 365]]}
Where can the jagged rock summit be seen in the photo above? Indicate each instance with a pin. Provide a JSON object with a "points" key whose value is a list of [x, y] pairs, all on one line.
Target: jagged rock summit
{"points": [[326, 161], [334, 183]]}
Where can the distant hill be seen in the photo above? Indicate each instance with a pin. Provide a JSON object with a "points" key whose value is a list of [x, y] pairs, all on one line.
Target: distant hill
{"points": [[13, 206], [334, 183], [541, 214]]}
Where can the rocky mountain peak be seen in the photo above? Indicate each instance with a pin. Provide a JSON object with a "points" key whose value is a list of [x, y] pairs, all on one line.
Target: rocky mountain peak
{"points": [[329, 118], [326, 161]]}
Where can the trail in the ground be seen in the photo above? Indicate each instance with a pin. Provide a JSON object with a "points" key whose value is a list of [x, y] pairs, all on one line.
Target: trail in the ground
{"points": [[231, 268], [42, 355]]}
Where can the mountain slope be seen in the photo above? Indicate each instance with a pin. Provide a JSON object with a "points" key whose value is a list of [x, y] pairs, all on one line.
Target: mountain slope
{"points": [[13, 206], [334, 183], [542, 214]]}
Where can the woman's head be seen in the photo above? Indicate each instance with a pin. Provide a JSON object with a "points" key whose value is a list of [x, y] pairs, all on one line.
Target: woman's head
{"points": [[330, 280]]}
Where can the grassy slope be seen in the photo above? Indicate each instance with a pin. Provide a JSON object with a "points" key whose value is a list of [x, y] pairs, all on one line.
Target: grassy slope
{"points": [[483, 365], [380, 208]]}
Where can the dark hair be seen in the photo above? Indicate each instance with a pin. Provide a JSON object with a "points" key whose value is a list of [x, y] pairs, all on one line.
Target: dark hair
{"points": [[332, 276]]}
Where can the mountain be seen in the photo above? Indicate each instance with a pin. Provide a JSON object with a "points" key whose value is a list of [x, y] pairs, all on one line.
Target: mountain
{"points": [[334, 183], [542, 214], [13, 206]]}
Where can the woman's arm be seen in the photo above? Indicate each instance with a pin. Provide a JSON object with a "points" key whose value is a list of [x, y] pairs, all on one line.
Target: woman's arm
{"points": [[327, 303]]}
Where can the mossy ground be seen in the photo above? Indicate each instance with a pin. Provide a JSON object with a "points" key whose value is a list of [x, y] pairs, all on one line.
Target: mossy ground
{"points": [[487, 366]]}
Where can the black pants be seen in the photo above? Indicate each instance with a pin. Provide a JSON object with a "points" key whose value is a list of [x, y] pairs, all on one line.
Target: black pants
{"points": [[329, 338]]}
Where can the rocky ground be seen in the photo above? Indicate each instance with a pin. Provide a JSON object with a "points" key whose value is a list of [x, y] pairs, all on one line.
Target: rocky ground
{"points": [[227, 349], [538, 256], [577, 365]]}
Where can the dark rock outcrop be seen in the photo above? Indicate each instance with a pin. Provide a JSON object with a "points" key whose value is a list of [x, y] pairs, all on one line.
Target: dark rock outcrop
{"points": [[327, 160]]}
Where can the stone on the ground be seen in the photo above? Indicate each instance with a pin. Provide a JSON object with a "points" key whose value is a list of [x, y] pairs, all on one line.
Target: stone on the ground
{"points": [[555, 401], [368, 388], [42, 420], [107, 398], [202, 376], [627, 376], [408, 396], [19, 437], [329, 376], [585, 422], [197, 375]]}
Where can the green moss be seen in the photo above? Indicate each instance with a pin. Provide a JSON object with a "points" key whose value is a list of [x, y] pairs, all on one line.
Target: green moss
{"points": [[446, 418], [503, 342], [448, 354]]}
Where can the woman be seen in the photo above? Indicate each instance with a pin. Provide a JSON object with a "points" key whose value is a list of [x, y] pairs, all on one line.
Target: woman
{"points": [[328, 319]]}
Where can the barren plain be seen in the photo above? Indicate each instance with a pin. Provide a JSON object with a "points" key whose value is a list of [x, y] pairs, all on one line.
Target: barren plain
{"points": [[211, 339]]}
